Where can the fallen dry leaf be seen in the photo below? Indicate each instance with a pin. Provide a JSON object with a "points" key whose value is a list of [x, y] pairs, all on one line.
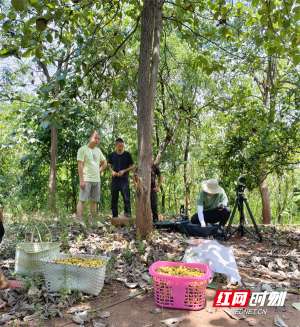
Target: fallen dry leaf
{"points": [[279, 322], [172, 322]]}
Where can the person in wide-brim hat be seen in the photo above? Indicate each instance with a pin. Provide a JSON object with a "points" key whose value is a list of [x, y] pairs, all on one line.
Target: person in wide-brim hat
{"points": [[212, 204]]}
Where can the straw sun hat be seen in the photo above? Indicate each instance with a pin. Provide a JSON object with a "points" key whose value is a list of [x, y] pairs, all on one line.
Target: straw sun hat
{"points": [[211, 186]]}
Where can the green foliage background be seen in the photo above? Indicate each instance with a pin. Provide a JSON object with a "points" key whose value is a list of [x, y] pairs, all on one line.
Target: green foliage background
{"points": [[228, 82]]}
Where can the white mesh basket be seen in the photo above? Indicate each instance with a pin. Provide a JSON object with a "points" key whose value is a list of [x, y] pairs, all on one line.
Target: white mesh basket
{"points": [[29, 256], [70, 277]]}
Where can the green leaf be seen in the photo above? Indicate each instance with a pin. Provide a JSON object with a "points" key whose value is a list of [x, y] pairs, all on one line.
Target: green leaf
{"points": [[54, 103], [296, 59], [28, 53], [49, 37], [46, 89], [297, 13], [36, 4], [4, 52], [19, 5], [38, 52], [25, 42], [6, 26], [8, 52], [58, 14], [202, 60]]}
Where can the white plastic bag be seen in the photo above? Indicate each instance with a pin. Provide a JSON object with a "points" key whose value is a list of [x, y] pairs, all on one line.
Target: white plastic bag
{"points": [[219, 258]]}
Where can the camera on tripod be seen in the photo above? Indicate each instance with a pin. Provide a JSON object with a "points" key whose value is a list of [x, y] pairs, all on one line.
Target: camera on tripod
{"points": [[242, 207], [240, 184]]}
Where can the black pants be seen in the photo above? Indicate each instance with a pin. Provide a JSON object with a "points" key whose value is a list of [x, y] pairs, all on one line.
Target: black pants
{"points": [[2, 231], [153, 198], [122, 187], [213, 216]]}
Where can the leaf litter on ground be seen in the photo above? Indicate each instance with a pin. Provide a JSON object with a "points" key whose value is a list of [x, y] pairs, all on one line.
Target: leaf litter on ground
{"points": [[263, 266]]}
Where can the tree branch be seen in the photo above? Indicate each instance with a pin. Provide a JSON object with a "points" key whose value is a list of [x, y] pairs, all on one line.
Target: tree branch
{"points": [[204, 37], [45, 70], [105, 60]]}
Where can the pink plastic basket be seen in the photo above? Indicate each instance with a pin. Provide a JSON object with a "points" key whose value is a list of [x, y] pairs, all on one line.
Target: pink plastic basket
{"points": [[180, 292]]}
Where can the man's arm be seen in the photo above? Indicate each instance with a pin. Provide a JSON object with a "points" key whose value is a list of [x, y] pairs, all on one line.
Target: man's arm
{"points": [[109, 164], [80, 173], [130, 166], [201, 216], [124, 171], [114, 173], [200, 207], [103, 165], [224, 200]]}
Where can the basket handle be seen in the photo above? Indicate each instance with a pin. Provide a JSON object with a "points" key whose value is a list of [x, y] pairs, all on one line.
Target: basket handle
{"points": [[39, 234]]}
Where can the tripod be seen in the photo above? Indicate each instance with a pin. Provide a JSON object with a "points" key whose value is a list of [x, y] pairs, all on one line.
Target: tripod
{"points": [[240, 203]]}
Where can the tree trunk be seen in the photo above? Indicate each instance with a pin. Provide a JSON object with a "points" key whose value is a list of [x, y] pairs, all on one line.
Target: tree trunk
{"points": [[186, 178], [53, 147], [52, 176], [147, 80], [265, 199], [269, 102], [282, 196], [268, 93]]}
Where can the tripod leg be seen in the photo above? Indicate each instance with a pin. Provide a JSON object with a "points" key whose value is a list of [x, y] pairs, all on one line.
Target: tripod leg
{"points": [[231, 219], [242, 216], [253, 220]]}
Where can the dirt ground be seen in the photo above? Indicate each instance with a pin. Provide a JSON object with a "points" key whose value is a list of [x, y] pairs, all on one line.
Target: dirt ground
{"points": [[138, 312], [256, 266]]}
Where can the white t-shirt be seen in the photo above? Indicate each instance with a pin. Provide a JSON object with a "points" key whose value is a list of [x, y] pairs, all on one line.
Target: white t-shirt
{"points": [[91, 161]]}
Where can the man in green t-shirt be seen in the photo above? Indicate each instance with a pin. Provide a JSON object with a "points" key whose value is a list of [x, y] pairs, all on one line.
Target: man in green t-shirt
{"points": [[212, 205], [91, 162]]}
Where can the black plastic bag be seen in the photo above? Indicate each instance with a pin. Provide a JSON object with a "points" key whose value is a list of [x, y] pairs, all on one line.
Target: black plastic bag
{"points": [[186, 227]]}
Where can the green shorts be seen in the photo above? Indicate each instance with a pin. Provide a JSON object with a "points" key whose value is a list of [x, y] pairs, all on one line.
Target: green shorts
{"points": [[90, 192]]}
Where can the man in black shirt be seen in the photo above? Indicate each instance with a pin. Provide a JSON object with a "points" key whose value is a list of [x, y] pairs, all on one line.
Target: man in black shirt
{"points": [[155, 187], [120, 163]]}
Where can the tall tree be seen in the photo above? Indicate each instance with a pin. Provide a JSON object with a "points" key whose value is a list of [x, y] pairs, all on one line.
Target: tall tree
{"points": [[151, 26]]}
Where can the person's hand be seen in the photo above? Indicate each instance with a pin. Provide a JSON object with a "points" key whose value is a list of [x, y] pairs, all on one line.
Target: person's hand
{"points": [[121, 173], [82, 185], [114, 173]]}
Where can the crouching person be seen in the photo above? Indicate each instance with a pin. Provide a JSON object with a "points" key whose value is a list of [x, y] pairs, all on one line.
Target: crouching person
{"points": [[212, 205]]}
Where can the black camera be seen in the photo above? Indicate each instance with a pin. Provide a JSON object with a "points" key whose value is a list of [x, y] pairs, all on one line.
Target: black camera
{"points": [[241, 184]]}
